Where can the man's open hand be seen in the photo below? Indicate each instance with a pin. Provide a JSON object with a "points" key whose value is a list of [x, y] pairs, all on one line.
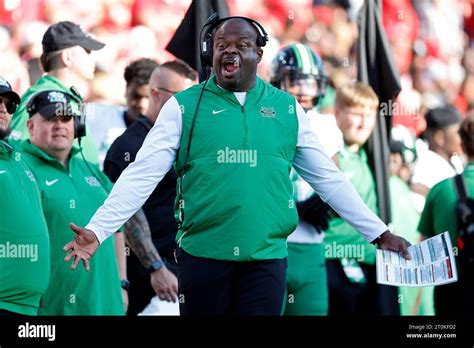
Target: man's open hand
{"points": [[165, 284], [82, 247], [389, 241]]}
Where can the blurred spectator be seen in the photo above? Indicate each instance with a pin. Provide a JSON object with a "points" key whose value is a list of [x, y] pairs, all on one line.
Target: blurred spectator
{"points": [[401, 24], [12, 68], [154, 243], [107, 122], [161, 17], [299, 71], [30, 48], [68, 62], [468, 12], [351, 274], [435, 164], [88, 13], [409, 156], [441, 24], [439, 215]]}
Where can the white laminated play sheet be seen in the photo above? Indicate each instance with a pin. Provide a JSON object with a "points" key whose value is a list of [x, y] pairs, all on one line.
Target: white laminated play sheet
{"points": [[432, 263]]}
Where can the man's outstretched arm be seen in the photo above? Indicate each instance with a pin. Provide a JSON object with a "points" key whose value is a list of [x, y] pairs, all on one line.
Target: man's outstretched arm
{"points": [[314, 166], [134, 186]]}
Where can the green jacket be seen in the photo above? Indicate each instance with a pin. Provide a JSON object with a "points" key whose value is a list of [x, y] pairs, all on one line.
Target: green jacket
{"points": [[24, 241], [18, 123], [237, 193], [73, 195]]}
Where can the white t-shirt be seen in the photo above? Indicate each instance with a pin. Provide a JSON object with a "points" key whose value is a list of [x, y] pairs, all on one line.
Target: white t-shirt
{"points": [[330, 137], [429, 170]]}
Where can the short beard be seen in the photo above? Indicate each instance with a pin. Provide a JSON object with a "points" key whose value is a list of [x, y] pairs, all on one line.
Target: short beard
{"points": [[4, 133]]}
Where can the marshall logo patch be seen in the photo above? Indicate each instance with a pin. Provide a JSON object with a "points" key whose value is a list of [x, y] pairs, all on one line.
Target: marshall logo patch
{"points": [[267, 112]]}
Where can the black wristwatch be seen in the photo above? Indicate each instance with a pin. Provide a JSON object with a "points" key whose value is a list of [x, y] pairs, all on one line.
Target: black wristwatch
{"points": [[125, 284], [155, 266]]}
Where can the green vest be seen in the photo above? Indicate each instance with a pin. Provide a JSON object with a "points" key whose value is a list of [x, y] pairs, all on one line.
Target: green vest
{"points": [[24, 241], [237, 193], [18, 123], [73, 195]]}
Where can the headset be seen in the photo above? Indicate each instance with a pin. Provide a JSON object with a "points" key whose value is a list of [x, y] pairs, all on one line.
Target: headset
{"points": [[79, 121], [206, 53], [213, 22]]}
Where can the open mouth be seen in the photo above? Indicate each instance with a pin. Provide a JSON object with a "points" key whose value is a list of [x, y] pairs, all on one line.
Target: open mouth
{"points": [[230, 67]]}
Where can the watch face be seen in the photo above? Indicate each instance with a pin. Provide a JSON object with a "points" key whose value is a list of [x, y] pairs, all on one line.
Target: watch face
{"points": [[156, 265]]}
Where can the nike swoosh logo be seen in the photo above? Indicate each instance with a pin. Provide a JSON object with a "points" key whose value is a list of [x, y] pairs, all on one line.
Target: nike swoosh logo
{"points": [[52, 182], [2, 171], [214, 112]]}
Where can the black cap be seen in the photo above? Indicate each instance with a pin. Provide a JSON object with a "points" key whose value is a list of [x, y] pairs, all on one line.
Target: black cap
{"points": [[396, 146], [52, 103], [67, 34], [6, 89], [442, 117]]}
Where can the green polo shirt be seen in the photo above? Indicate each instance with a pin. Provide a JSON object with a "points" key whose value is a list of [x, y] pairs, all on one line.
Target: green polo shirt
{"points": [[73, 195], [439, 213], [24, 241], [342, 240], [18, 123]]}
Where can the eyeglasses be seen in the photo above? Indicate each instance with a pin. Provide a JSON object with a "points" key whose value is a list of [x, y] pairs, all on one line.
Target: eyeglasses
{"points": [[166, 90], [10, 105]]}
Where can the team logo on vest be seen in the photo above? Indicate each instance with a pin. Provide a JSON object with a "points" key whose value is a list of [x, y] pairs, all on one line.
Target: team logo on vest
{"points": [[266, 111], [92, 181]]}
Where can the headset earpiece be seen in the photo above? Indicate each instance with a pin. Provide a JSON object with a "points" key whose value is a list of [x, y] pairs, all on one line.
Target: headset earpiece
{"points": [[80, 126], [208, 43], [207, 49], [30, 107], [79, 121]]}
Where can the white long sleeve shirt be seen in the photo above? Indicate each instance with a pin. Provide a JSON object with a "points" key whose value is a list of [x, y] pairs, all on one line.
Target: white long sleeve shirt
{"points": [[159, 151]]}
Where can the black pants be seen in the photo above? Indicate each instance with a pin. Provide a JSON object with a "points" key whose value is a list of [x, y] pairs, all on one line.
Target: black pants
{"points": [[141, 291], [346, 297], [456, 298], [370, 298], [5, 313], [214, 287]]}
